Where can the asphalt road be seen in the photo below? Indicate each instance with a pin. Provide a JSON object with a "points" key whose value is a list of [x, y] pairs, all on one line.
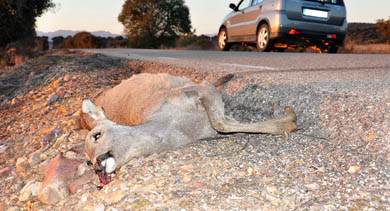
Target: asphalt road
{"points": [[253, 62]]}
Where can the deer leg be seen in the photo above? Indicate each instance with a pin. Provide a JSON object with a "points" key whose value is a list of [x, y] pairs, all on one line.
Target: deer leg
{"points": [[212, 101]]}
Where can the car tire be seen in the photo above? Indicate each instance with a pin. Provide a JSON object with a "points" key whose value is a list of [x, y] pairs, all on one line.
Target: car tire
{"points": [[329, 49], [263, 39], [332, 49], [223, 45]]}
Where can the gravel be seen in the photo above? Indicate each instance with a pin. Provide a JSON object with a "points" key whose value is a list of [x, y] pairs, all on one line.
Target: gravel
{"points": [[338, 160]]}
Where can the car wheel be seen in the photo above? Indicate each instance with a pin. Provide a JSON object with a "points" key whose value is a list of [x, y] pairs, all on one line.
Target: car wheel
{"points": [[329, 49], [263, 40], [332, 49], [223, 45]]}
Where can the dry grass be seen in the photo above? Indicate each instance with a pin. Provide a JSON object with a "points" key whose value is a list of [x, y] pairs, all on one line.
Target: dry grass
{"points": [[351, 47]]}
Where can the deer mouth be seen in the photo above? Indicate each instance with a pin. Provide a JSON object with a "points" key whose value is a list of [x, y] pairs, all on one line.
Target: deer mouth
{"points": [[105, 165]]}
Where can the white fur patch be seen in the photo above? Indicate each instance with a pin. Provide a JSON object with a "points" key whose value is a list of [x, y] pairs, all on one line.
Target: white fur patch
{"points": [[87, 106], [94, 111]]}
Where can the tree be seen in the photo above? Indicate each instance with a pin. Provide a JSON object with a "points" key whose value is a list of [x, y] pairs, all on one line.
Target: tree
{"points": [[42, 43], [58, 42], [152, 23], [82, 40], [384, 27], [17, 19]]}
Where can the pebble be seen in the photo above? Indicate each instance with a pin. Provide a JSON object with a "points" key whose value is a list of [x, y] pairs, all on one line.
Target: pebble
{"points": [[61, 92], [5, 172], [188, 167], [100, 207], [272, 189], [35, 158], [53, 98], [353, 169], [51, 136], [113, 197], [274, 201], [42, 156], [56, 83], [30, 190], [22, 166], [146, 188], [140, 204], [198, 184], [54, 192], [312, 186], [242, 173], [187, 178], [3, 148], [55, 186], [70, 155], [77, 184], [66, 78], [82, 169]]}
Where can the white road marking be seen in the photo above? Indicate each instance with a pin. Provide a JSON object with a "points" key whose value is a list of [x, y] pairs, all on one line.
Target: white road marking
{"points": [[169, 58], [250, 66]]}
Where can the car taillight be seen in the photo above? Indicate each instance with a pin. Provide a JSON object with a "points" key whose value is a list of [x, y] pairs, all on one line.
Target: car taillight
{"points": [[294, 32], [342, 2], [331, 36]]}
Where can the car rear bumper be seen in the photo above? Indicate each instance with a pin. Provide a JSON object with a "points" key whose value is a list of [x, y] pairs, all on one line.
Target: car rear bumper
{"points": [[308, 38], [308, 31]]}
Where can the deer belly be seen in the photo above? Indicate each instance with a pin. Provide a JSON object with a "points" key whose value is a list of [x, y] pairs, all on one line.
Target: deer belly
{"points": [[184, 118]]}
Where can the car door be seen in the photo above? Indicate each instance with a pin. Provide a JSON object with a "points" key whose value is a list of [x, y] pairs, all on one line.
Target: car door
{"points": [[249, 20], [235, 22]]}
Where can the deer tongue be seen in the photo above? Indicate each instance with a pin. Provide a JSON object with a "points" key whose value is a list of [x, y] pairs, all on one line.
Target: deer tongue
{"points": [[104, 178]]}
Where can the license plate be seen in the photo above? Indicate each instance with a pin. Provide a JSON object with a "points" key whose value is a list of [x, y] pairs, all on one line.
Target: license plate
{"points": [[315, 13]]}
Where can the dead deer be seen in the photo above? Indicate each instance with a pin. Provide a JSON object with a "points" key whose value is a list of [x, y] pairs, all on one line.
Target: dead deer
{"points": [[150, 113]]}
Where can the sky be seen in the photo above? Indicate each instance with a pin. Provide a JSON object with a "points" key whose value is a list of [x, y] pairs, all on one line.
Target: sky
{"points": [[206, 15]]}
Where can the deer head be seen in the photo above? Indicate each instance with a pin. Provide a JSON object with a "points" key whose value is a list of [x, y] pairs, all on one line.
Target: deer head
{"points": [[101, 144]]}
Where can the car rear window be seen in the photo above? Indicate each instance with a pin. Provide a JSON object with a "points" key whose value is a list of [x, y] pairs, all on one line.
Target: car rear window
{"points": [[336, 2]]}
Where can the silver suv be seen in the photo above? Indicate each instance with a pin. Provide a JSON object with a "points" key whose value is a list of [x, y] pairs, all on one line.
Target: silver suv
{"points": [[279, 24]]}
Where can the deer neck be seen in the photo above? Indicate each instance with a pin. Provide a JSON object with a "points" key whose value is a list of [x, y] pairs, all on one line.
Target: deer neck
{"points": [[135, 141]]}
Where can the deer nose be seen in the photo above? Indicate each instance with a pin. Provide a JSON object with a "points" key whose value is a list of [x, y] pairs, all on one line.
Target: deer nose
{"points": [[97, 167]]}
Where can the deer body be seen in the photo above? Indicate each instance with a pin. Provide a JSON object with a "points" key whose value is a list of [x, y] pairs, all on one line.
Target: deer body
{"points": [[149, 113]]}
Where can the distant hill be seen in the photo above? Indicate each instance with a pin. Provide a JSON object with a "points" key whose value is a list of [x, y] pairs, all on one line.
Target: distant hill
{"points": [[66, 33]]}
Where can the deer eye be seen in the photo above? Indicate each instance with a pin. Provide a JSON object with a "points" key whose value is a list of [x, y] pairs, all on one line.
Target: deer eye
{"points": [[96, 136]]}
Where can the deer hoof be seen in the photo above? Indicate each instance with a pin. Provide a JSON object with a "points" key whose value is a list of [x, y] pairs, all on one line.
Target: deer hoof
{"points": [[288, 111]]}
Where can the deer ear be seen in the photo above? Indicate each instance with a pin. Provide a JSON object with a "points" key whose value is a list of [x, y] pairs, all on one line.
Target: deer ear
{"points": [[93, 111]]}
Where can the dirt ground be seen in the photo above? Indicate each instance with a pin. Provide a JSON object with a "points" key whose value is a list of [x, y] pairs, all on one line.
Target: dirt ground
{"points": [[337, 161]]}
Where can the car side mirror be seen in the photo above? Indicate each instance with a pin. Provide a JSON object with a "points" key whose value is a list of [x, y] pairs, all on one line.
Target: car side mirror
{"points": [[233, 7]]}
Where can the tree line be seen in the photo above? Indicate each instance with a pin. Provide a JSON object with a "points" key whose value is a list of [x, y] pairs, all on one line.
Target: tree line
{"points": [[369, 33], [147, 24], [88, 40]]}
